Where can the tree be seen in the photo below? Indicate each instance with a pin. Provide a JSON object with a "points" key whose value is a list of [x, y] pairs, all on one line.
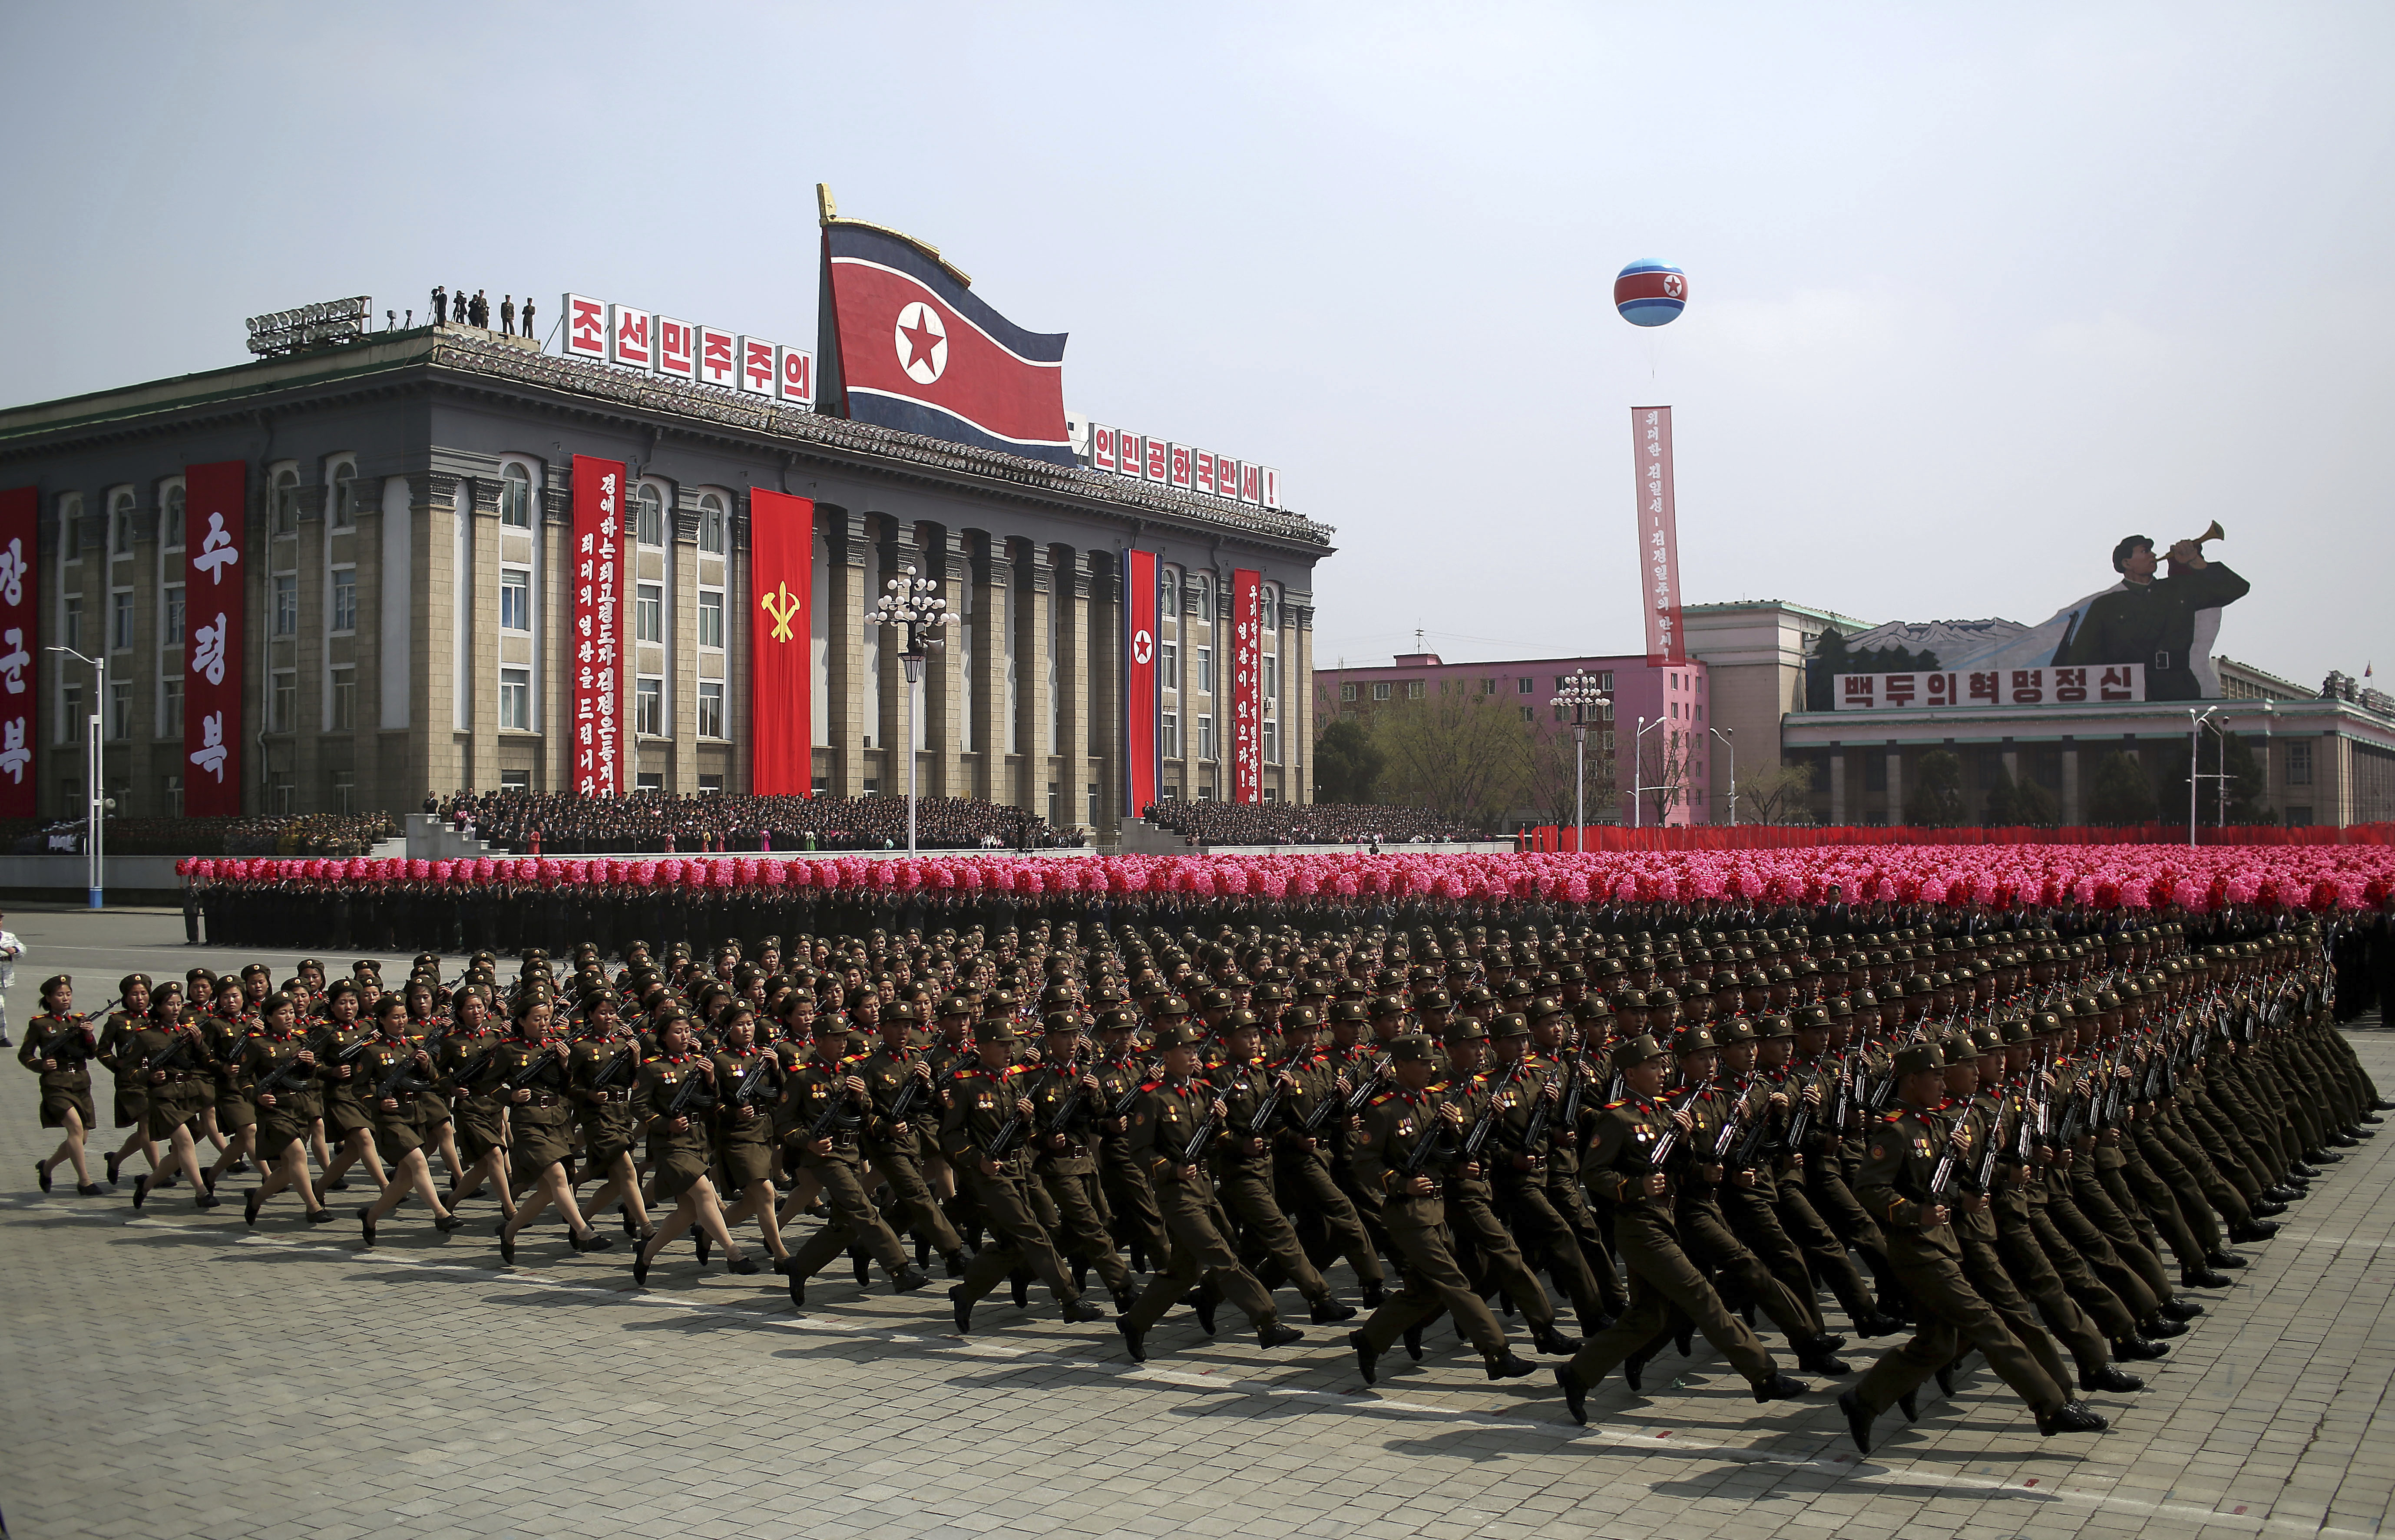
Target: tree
{"points": [[1936, 790], [2245, 787], [2122, 793], [1550, 781], [2035, 806], [1346, 763], [2003, 803], [1666, 756], [1782, 794], [1459, 752]]}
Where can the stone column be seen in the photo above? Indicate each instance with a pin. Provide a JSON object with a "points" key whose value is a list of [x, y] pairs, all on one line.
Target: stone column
{"points": [[848, 716], [2333, 781], [554, 616], [1103, 648], [992, 576], [1073, 739], [1895, 782], [1031, 656], [1837, 755], [2073, 811], [681, 645], [942, 695], [308, 718], [365, 535], [431, 756], [894, 728], [481, 599], [1298, 686]]}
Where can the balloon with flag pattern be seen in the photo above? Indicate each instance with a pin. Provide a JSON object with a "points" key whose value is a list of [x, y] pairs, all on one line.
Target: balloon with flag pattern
{"points": [[1650, 293]]}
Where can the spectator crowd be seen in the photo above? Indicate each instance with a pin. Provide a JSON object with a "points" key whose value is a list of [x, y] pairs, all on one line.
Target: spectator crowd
{"points": [[549, 823], [1304, 823]]}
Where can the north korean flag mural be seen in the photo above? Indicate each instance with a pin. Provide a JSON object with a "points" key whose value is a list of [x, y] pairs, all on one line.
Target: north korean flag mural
{"points": [[1139, 681], [21, 637], [907, 345], [782, 542]]}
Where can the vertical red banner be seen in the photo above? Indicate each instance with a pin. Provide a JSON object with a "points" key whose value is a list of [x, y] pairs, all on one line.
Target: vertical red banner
{"points": [[781, 673], [1139, 682], [1659, 534], [597, 639], [20, 639], [216, 546], [1246, 681]]}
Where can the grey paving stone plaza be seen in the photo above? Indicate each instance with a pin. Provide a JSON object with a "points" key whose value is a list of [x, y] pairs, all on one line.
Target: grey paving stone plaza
{"points": [[173, 1373]]}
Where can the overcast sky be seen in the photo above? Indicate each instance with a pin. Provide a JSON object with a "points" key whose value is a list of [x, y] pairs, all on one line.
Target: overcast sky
{"points": [[1974, 290]]}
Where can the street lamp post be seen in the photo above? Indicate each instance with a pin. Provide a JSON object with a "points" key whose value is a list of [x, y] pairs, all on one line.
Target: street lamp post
{"points": [[909, 604], [1730, 743], [1638, 770], [94, 797], [2194, 741], [1583, 692]]}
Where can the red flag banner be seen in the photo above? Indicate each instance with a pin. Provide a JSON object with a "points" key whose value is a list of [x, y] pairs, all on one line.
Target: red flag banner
{"points": [[597, 639], [1659, 534], [781, 682], [1139, 681], [216, 499], [21, 634], [1246, 680]]}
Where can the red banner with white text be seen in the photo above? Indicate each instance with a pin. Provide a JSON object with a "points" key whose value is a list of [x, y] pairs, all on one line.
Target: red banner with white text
{"points": [[1658, 535], [781, 683], [1139, 681], [597, 641], [1246, 686], [216, 550], [20, 639]]}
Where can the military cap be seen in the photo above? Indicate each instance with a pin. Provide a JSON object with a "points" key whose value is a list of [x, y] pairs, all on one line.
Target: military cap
{"points": [[1348, 1010], [1987, 1039], [1633, 1051], [2045, 1021], [995, 1028], [1817, 1018], [1178, 1035], [1387, 1004], [1171, 1005], [1479, 995], [1630, 999], [1296, 1017], [1466, 1029], [1512, 1023], [1060, 1022], [1775, 1024], [1592, 1007], [123, 985], [1412, 1047], [1914, 1057], [1692, 1039], [1738, 1029], [1118, 1020], [1433, 999]]}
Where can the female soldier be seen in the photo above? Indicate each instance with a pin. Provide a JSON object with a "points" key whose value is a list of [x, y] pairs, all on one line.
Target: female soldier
{"points": [[388, 1081], [346, 1119], [132, 1097], [58, 1046], [528, 1073], [674, 1114], [465, 1063], [172, 1052], [602, 1071], [280, 1072], [433, 1117], [745, 1149], [228, 1031]]}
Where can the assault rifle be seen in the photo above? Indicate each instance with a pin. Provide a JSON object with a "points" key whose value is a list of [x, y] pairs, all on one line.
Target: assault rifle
{"points": [[1995, 1146], [1268, 1109], [1486, 1124], [1736, 1122], [905, 1101], [690, 1095], [1069, 1111], [291, 1071], [173, 1055], [745, 1093], [522, 1077], [1662, 1147], [614, 1066], [1001, 1144], [1569, 1112], [1845, 1105], [401, 1077], [1200, 1142], [1355, 1100], [72, 1047], [1427, 1143]]}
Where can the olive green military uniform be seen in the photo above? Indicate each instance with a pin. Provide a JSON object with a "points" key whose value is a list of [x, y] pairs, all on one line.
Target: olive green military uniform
{"points": [[1163, 1123], [603, 1111], [817, 1098], [1243, 1177], [981, 1102], [1396, 1124], [65, 1041], [898, 1152]]}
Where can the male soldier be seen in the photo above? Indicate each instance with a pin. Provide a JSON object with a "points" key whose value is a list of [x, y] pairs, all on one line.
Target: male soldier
{"points": [[1062, 1091], [1471, 1202], [1171, 1129], [1632, 1166], [905, 1105], [1302, 1162], [1255, 1098], [984, 1136], [1909, 1155], [1123, 1179], [1396, 1153], [1517, 1158], [2152, 620], [828, 1102]]}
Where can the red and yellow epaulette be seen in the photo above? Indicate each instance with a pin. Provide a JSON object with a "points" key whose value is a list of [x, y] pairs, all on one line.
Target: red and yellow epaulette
{"points": [[1151, 1085], [1896, 1117], [1611, 1105], [1385, 1096], [653, 1058]]}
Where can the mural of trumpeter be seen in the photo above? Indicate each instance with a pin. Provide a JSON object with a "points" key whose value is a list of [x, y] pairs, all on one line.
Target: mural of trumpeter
{"points": [[2165, 622]]}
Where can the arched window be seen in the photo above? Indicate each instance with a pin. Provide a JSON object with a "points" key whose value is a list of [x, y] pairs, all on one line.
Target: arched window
{"points": [[170, 533], [1201, 592], [286, 502], [515, 497], [711, 524], [342, 516], [1168, 593], [1267, 608], [71, 527], [651, 522], [120, 523]]}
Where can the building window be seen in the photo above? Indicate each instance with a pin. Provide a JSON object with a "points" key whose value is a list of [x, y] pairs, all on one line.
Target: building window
{"points": [[1524, 687], [280, 792], [648, 781], [170, 617], [1272, 743], [1167, 594], [515, 497], [1609, 742], [649, 613], [70, 530], [1272, 676], [515, 781], [1168, 666], [710, 708], [710, 785], [345, 792], [1170, 745], [120, 525], [1414, 690], [70, 622], [119, 621], [1346, 692], [170, 708], [1529, 715], [2300, 767], [284, 704], [286, 502], [1267, 609], [120, 708], [345, 698], [1206, 791], [1205, 737], [1380, 690], [710, 617], [650, 528], [515, 598], [287, 604], [1201, 597], [1272, 794], [345, 599], [170, 794], [1171, 792], [711, 525], [1606, 679], [170, 533], [344, 475], [1093, 804], [649, 707], [1205, 671], [70, 721], [515, 699]]}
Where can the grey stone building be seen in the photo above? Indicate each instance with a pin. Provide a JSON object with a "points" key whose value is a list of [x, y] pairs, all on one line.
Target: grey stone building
{"points": [[409, 512]]}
